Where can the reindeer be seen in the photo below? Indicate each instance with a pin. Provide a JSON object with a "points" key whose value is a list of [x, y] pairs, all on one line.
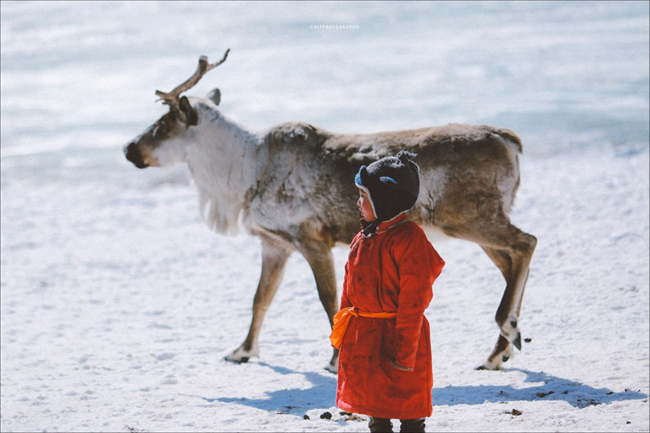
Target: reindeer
{"points": [[293, 187]]}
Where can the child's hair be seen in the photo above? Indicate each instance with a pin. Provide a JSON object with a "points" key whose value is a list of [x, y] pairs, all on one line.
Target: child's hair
{"points": [[392, 185]]}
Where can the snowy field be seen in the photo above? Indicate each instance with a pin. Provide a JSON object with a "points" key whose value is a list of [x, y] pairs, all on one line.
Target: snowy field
{"points": [[118, 304]]}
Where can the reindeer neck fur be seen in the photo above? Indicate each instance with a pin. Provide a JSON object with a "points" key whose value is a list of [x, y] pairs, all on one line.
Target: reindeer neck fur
{"points": [[220, 157]]}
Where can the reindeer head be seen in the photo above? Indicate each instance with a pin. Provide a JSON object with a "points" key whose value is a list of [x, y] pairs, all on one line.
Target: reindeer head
{"points": [[160, 144]]}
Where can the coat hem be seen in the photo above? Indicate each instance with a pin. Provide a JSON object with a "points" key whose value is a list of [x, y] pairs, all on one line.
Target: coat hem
{"points": [[388, 414]]}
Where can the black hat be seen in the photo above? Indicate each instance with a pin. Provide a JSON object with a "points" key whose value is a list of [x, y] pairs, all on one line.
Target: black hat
{"points": [[392, 184]]}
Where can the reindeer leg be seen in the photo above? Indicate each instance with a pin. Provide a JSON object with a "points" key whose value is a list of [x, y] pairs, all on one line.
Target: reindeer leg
{"points": [[319, 256], [511, 251], [503, 261], [274, 259]]}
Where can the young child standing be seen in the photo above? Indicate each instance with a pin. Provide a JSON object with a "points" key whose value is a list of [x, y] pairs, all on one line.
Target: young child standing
{"points": [[385, 350]]}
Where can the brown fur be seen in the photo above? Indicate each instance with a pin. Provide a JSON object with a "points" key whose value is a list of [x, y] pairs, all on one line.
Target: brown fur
{"points": [[303, 197]]}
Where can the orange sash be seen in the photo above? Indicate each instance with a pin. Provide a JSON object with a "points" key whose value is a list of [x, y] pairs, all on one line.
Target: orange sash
{"points": [[342, 319]]}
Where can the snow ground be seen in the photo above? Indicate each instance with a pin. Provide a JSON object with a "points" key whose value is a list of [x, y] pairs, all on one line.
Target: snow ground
{"points": [[118, 306]]}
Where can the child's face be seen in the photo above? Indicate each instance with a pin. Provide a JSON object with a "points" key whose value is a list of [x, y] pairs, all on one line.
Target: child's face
{"points": [[365, 207]]}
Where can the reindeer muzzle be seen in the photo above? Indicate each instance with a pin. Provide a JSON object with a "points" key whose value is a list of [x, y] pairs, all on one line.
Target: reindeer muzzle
{"points": [[134, 155]]}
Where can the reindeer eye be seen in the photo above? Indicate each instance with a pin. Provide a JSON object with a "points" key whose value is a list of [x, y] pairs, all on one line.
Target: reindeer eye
{"points": [[161, 129]]}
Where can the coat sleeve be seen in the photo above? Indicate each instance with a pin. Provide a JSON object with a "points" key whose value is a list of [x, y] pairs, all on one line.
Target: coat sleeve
{"points": [[418, 265], [345, 301]]}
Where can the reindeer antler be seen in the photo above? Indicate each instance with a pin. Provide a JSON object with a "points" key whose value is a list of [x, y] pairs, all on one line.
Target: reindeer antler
{"points": [[172, 97]]}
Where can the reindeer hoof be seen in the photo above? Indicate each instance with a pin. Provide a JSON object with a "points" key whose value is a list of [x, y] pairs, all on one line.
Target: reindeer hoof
{"points": [[241, 355], [333, 366], [490, 366], [502, 352], [517, 341], [242, 360]]}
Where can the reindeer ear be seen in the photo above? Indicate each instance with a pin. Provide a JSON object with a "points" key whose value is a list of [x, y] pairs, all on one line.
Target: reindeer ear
{"points": [[214, 96], [191, 118]]}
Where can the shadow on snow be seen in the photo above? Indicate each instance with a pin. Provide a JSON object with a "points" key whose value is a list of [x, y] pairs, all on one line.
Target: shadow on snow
{"points": [[575, 393], [322, 393]]}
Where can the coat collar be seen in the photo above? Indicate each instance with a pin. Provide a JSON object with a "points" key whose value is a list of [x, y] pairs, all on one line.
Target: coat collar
{"points": [[386, 225]]}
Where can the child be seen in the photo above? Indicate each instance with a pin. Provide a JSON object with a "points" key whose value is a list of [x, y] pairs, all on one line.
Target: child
{"points": [[385, 351]]}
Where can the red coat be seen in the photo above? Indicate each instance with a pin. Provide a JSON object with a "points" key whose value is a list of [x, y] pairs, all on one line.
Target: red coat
{"points": [[391, 272]]}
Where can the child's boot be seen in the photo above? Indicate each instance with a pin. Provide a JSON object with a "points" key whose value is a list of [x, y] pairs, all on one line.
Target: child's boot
{"points": [[380, 425], [412, 425]]}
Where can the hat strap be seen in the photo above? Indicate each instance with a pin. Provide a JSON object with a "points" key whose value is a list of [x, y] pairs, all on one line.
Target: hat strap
{"points": [[372, 228]]}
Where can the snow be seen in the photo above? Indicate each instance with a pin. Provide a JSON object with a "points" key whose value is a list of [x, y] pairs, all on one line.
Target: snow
{"points": [[118, 304]]}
